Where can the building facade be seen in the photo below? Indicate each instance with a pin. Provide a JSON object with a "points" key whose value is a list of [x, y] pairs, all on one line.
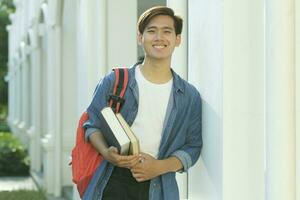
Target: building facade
{"points": [[243, 56]]}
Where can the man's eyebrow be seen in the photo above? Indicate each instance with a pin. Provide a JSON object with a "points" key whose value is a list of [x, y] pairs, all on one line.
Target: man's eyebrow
{"points": [[155, 27], [167, 27], [151, 27]]}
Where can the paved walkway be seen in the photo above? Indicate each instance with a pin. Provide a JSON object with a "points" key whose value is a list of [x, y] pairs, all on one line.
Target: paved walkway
{"points": [[17, 183], [20, 183]]}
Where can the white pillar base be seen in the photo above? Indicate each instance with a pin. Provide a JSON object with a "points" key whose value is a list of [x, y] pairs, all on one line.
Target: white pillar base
{"points": [[48, 163]]}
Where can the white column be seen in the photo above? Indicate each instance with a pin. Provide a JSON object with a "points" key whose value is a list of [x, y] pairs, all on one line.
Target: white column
{"points": [[14, 18], [37, 116], [9, 29], [226, 64], [57, 110], [19, 91], [14, 86], [280, 100], [23, 87], [35, 130], [100, 18], [44, 97], [205, 71], [22, 125], [49, 68], [38, 93], [121, 52], [28, 116], [297, 99], [92, 41], [53, 139], [87, 67], [10, 93], [180, 58], [28, 119], [55, 78], [68, 85], [243, 100], [15, 91], [180, 65], [48, 139], [11, 86]]}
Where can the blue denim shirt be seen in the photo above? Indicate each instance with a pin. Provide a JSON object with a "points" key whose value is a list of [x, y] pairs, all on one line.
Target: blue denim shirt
{"points": [[181, 137]]}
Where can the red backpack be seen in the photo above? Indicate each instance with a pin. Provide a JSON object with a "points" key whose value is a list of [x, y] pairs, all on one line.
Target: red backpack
{"points": [[85, 158]]}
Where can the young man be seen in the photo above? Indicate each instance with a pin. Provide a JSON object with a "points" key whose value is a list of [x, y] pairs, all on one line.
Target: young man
{"points": [[163, 110]]}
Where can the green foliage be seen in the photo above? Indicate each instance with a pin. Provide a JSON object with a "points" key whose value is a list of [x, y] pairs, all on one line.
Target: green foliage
{"points": [[22, 195], [6, 7], [3, 85], [4, 127], [3, 115], [4, 21], [14, 160], [3, 112]]}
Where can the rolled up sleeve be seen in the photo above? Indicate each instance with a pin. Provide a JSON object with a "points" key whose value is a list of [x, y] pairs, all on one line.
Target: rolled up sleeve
{"points": [[189, 153], [184, 158], [89, 132]]}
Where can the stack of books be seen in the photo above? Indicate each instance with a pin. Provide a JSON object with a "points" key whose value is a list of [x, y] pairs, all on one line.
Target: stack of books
{"points": [[117, 133]]}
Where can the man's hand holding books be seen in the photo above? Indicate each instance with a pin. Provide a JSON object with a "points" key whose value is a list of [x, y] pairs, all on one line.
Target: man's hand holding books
{"points": [[116, 159]]}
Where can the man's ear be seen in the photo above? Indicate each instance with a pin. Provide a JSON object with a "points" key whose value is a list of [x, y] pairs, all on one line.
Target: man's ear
{"points": [[139, 38], [178, 40]]}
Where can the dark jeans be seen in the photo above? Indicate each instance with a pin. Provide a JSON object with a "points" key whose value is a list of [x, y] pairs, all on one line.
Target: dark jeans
{"points": [[122, 186]]}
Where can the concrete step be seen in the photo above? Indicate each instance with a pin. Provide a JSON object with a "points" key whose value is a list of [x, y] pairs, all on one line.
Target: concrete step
{"points": [[17, 183]]}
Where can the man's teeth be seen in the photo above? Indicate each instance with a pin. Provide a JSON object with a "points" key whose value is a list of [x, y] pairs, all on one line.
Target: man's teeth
{"points": [[158, 46]]}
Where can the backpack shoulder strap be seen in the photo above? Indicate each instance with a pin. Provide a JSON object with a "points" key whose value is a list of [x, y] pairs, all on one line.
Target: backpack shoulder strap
{"points": [[116, 98]]}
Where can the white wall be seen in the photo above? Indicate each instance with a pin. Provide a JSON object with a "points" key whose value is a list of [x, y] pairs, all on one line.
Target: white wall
{"points": [[226, 63], [280, 100], [297, 99], [205, 72], [121, 33], [243, 100], [297, 39]]}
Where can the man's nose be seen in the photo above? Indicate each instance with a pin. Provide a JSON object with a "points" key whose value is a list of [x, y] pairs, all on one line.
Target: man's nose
{"points": [[159, 35]]}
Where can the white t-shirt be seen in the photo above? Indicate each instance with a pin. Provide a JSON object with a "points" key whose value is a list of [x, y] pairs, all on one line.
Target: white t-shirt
{"points": [[153, 102]]}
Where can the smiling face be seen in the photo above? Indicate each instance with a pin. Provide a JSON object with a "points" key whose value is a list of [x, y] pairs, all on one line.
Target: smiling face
{"points": [[159, 38]]}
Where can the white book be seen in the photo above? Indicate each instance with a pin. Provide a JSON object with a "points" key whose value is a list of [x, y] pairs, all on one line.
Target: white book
{"points": [[113, 131]]}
